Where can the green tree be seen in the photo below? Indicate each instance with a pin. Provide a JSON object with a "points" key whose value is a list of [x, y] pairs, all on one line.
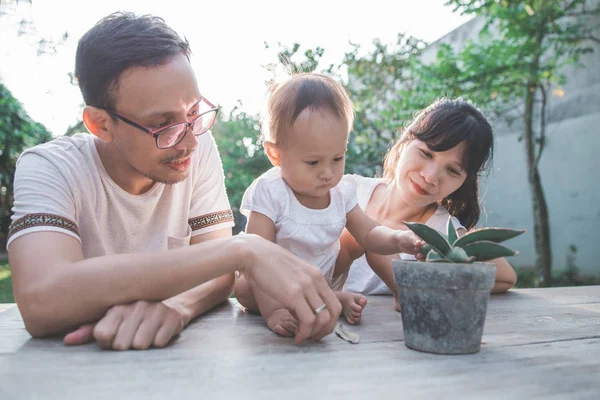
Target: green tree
{"points": [[26, 27], [520, 56], [17, 133], [510, 71], [370, 80], [237, 136], [375, 80]]}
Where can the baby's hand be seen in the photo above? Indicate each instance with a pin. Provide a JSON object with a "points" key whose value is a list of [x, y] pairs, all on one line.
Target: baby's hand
{"points": [[408, 242]]}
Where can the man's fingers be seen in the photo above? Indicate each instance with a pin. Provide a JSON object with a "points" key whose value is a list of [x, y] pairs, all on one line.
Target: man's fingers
{"points": [[314, 292], [148, 329], [306, 320], [332, 311], [129, 327], [106, 329], [172, 326], [329, 317], [322, 318], [146, 332], [80, 336]]}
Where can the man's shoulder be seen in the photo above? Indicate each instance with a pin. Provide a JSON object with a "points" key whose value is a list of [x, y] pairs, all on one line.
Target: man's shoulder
{"points": [[65, 151]]}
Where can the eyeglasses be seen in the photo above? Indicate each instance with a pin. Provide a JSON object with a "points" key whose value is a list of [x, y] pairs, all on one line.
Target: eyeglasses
{"points": [[170, 135]]}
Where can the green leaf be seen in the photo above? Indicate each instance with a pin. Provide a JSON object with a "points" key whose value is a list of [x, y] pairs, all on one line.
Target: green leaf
{"points": [[434, 256], [458, 255], [451, 231], [430, 236], [495, 235], [425, 249], [486, 250]]}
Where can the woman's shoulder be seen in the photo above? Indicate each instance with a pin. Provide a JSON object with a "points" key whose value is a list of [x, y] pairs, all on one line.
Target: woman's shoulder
{"points": [[365, 187]]}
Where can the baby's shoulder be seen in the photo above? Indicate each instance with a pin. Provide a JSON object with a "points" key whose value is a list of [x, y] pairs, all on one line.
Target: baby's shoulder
{"points": [[347, 186], [271, 183]]}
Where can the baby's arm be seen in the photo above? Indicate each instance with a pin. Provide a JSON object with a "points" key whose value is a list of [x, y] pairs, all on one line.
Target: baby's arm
{"points": [[350, 250], [506, 276], [380, 239]]}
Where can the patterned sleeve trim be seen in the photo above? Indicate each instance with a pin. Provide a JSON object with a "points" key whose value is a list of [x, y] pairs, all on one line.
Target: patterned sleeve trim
{"points": [[42, 219], [207, 220]]}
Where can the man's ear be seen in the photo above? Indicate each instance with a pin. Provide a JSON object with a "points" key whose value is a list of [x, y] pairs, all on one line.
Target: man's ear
{"points": [[272, 153], [98, 122]]}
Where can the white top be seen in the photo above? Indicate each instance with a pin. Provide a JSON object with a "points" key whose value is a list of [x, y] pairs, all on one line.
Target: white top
{"points": [[62, 186], [361, 278], [312, 235]]}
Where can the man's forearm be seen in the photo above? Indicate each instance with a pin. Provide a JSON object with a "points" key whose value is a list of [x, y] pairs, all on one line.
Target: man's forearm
{"points": [[70, 294], [201, 299]]}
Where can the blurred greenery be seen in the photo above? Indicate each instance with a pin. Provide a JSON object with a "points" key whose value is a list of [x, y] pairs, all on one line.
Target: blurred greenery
{"points": [[17, 133], [6, 294], [516, 62], [512, 69], [237, 137], [517, 59]]}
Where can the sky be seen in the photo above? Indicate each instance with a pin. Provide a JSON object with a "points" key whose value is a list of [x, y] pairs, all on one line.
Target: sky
{"points": [[227, 40]]}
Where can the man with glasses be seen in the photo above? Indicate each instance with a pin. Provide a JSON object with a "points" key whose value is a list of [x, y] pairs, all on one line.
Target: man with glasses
{"points": [[103, 222]]}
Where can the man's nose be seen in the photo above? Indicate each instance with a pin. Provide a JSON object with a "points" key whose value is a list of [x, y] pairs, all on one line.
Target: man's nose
{"points": [[189, 141]]}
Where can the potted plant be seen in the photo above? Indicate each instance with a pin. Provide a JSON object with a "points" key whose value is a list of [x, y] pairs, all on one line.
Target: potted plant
{"points": [[444, 300]]}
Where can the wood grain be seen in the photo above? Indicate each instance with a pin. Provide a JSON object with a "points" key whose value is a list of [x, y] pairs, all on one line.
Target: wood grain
{"points": [[538, 343]]}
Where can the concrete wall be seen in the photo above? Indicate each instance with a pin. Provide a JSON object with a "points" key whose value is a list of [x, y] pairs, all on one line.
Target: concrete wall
{"points": [[569, 166]]}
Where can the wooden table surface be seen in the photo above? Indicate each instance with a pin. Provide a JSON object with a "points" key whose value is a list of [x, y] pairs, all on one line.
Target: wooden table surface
{"points": [[538, 343]]}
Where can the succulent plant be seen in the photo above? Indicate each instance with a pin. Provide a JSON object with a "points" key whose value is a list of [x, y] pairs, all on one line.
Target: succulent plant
{"points": [[478, 245]]}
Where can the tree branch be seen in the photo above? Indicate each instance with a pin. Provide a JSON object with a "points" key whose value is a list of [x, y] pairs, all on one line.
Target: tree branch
{"points": [[593, 38], [541, 140], [572, 4]]}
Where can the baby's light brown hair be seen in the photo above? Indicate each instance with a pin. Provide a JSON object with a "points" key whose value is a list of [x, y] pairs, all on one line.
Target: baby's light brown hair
{"points": [[301, 91]]}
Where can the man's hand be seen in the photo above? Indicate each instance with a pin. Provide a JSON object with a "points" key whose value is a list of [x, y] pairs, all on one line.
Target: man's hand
{"points": [[299, 286], [139, 325]]}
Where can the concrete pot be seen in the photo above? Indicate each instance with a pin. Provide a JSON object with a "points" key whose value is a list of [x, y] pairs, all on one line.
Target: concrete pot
{"points": [[443, 305]]}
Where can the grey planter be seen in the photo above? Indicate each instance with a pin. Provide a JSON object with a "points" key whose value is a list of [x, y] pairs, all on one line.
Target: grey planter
{"points": [[443, 305]]}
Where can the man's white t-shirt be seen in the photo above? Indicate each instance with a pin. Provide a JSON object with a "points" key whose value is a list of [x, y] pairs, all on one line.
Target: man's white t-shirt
{"points": [[62, 186], [361, 278], [312, 235]]}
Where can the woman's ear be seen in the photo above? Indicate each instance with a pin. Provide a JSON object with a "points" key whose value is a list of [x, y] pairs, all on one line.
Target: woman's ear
{"points": [[98, 122], [272, 153]]}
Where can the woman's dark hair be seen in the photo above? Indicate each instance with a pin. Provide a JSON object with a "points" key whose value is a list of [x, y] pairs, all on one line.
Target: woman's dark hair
{"points": [[116, 43], [443, 125]]}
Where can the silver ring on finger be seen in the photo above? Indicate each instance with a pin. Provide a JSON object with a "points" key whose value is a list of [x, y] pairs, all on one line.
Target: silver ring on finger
{"points": [[319, 309]]}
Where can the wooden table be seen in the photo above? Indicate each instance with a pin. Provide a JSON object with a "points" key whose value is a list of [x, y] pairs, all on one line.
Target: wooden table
{"points": [[538, 343]]}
